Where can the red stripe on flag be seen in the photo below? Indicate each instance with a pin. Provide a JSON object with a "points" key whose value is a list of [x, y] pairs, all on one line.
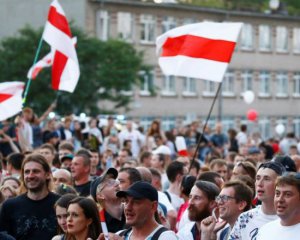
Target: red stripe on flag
{"points": [[4, 97], [59, 21], [198, 47], [59, 63]]}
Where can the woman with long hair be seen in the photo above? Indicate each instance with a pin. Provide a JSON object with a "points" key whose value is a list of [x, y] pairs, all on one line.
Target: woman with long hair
{"points": [[154, 131], [83, 220]]}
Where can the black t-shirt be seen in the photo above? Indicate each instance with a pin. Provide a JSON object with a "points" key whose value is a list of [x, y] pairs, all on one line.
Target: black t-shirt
{"points": [[83, 189], [27, 219], [114, 225]]}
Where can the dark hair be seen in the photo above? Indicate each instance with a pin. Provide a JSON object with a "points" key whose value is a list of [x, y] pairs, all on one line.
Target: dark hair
{"points": [[144, 155], [210, 189], [174, 169], [209, 177], [218, 162], [48, 146], [155, 172], [187, 183], [289, 178], [90, 211], [11, 178], [66, 145], [248, 181], [241, 192], [15, 159], [248, 167], [86, 155], [278, 168], [63, 189], [134, 174], [63, 202]]}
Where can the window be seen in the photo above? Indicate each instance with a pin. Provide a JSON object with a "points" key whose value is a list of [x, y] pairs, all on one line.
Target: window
{"points": [[296, 83], [247, 37], [189, 87], [227, 123], [168, 23], [187, 21], [296, 40], [147, 82], [247, 80], [148, 25], [282, 84], [210, 88], [264, 81], [168, 86], [102, 25], [125, 26], [228, 84], [265, 128], [296, 126], [281, 39], [265, 38], [168, 123]]}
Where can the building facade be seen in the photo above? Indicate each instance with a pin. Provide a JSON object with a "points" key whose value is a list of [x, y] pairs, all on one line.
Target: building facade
{"points": [[266, 61]]}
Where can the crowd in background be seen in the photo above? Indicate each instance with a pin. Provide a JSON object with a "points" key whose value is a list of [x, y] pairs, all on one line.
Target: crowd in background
{"points": [[82, 156]]}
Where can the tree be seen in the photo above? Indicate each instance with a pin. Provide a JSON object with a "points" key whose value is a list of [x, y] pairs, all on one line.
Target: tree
{"points": [[106, 69]]}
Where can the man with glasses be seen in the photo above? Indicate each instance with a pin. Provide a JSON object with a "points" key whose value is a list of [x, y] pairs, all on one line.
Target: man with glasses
{"points": [[103, 190], [248, 223], [287, 206], [234, 198], [201, 204]]}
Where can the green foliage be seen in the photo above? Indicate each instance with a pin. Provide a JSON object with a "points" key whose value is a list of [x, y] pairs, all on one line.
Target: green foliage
{"points": [[106, 68]]}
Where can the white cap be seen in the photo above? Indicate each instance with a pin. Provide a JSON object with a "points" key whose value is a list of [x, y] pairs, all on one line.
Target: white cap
{"points": [[162, 150]]}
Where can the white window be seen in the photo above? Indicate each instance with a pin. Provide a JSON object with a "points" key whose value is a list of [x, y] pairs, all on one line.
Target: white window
{"points": [[265, 128], [102, 25], [296, 126], [147, 82], [296, 40], [189, 87], [247, 37], [296, 83], [125, 26], [265, 38], [168, 23], [281, 39], [168, 123], [148, 25], [228, 84], [247, 80], [282, 84], [264, 81], [168, 85], [210, 88]]}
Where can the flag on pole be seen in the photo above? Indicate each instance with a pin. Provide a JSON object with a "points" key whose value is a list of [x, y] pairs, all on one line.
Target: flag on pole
{"points": [[46, 61], [200, 50], [10, 99], [65, 66]]}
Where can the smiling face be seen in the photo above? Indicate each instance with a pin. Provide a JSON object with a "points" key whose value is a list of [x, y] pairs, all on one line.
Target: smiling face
{"points": [[77, 223], [35, 177]]}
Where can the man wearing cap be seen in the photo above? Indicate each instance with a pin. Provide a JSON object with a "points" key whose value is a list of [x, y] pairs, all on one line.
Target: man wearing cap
{"points": [[287, 206], [140, 205], [247, 225], [286, 162], [103, 190]]}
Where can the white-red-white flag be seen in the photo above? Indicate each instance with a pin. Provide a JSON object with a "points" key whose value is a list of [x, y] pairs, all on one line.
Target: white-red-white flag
{"points": [[46, 61], [10, 99], [200, 50], [57, 33]]}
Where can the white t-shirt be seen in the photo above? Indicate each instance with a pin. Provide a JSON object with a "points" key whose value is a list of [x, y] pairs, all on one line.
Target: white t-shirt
{"points": [[167, 235], [162, 198], [247, 225], [275, 231], [176, 201]]}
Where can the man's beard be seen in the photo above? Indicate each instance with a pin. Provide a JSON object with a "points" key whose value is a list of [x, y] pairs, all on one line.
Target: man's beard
{"points": [[197, 215]]}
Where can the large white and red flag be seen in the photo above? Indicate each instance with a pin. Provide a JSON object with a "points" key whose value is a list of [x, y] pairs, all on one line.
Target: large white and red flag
{"points": [[10, 99], [200, 50], [46, 61], [65, 66]]}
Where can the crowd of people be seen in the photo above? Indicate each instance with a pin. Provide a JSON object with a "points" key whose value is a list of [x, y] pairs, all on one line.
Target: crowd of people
{"points": [[66, 179]]}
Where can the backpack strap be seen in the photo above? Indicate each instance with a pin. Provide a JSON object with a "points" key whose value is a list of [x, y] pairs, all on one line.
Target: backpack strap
{"points": [[158, 232], [168, 196], [125, 232]]}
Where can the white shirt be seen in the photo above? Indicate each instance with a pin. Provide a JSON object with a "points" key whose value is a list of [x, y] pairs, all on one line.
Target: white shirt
{"points": [[167, 235], [275, 231], [185, 232], [247, 225], [137, 140]]}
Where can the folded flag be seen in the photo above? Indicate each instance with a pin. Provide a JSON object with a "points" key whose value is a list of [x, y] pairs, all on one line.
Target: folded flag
{"points": [[200, 50], [10, 99]]}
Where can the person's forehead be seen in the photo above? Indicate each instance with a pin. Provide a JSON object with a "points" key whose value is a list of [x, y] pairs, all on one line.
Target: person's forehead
{"points": [[32, 165], [266, 172], [45, 150], [286, 187], [196, 191], [228, 191], [60, 174], [78, 159]]}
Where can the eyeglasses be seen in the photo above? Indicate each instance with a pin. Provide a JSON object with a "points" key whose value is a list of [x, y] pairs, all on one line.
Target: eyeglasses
{"points": [[109, 183], [223, 198]]}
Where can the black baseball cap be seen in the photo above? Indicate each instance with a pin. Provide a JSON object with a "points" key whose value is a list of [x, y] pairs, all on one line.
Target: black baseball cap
{"points": [[287, 163], [110, 173], [140, 190], [275, 166]]}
